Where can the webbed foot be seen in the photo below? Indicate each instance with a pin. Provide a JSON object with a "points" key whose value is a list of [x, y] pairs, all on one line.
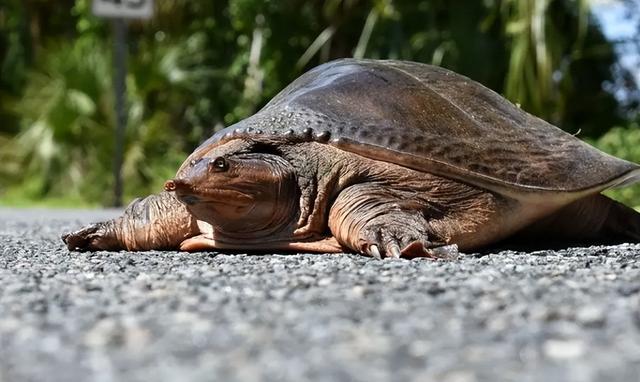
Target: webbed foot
{"points": [[93, 237], [392, 239]]}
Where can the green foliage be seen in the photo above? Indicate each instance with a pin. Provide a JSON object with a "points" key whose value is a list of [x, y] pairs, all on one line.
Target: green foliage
{"points": [[64, 103], [623, 142], [14, 58]]}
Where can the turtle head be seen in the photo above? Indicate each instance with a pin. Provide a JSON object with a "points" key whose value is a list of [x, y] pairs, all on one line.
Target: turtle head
{"points": [[242, 196]]}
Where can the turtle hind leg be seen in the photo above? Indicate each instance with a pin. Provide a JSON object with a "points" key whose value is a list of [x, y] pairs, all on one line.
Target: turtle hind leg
{"points": [[622, 222], [619, 223], [155, 222], [595, 219]]}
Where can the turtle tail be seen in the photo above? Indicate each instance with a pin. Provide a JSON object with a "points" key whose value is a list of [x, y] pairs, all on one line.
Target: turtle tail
{"points": [[621, 222], [595, 219], [155, 222]]}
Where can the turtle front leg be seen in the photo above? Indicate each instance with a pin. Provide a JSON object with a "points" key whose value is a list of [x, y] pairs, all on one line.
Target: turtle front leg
{"points": [[378, 221], [155, 222]]}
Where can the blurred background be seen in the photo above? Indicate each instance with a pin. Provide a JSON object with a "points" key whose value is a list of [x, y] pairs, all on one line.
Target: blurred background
{"points": [[199, 65]]}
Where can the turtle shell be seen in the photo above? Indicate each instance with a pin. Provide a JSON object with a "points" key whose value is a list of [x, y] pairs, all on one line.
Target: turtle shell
{"points": [[431, 119]]}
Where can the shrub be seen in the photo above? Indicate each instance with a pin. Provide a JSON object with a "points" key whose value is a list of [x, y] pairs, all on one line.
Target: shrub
{"points": [[623, 142]]}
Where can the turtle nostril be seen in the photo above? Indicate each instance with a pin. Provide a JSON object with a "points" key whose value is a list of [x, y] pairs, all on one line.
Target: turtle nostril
{"points": [[177, 184], [170, 185]]}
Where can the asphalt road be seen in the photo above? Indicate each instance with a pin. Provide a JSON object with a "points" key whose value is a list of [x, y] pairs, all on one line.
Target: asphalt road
{"points": [[567, 315]]}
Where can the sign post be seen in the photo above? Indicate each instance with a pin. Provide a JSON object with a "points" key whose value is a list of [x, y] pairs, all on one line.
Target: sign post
{"points": [[119, 11]]}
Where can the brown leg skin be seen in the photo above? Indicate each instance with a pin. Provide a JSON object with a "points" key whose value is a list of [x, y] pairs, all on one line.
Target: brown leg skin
{"points": [[379, 221], [155, 222], [591, 220]]}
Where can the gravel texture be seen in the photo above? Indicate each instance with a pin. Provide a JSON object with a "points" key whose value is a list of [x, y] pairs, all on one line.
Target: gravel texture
{"points": [[565, 315]]}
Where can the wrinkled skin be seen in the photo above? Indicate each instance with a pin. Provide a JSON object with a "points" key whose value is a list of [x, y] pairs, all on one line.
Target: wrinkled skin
{"points": [[156, 222], [248, 196]]}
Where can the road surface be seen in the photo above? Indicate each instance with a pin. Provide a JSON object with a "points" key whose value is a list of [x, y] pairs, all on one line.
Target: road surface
{"points": [[566, 315]]}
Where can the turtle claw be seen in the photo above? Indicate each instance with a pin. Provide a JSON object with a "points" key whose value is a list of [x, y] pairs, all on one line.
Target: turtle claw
{"points": [[91, 237], [374, 252], [392, 245], [391, 241], [393, 251]]}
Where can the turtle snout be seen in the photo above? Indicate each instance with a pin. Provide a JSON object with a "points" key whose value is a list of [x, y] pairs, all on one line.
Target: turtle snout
{"points": [[184, 191], [170, 185], [175, 185]]}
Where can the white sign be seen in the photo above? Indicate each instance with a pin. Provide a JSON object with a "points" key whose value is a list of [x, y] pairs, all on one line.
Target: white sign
{"points": [[128, 9]]}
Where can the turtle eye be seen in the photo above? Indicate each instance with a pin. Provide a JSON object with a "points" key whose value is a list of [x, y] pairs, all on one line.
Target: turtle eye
{"points": [[219, 164]]}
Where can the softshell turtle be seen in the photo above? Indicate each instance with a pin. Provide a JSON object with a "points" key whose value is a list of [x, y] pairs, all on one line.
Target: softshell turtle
{"points": [[385, 158]]}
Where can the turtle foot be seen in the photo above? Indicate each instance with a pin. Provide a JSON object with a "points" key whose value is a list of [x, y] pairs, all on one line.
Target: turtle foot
{"points": [[90, 238], [391, 239]]}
